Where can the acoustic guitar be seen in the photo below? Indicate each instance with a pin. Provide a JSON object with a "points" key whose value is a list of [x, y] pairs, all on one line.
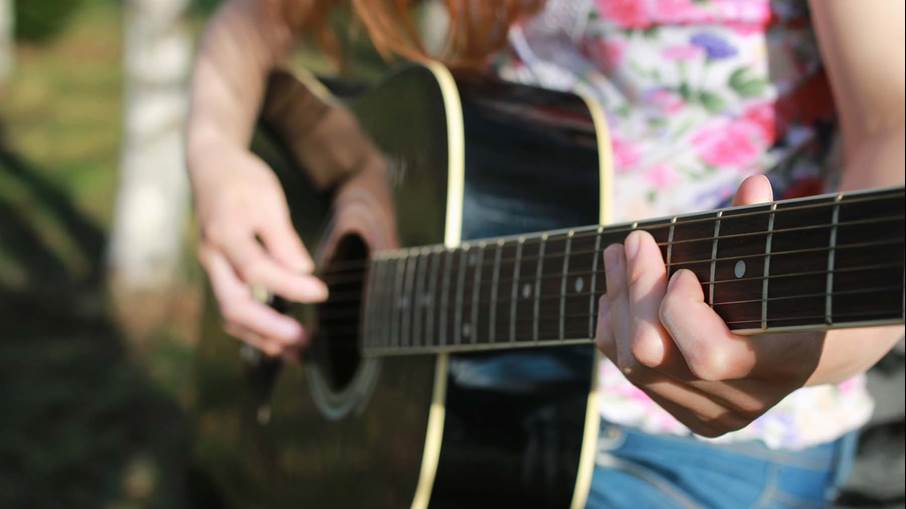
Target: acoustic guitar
{"points": [[458, 369]]}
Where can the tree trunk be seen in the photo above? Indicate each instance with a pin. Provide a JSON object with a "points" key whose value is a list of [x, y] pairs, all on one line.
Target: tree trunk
{"points": [[146, 244], [6, 39]]}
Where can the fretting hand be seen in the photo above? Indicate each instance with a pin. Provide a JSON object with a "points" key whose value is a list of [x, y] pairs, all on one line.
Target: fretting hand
{"points": [[668, 342]]}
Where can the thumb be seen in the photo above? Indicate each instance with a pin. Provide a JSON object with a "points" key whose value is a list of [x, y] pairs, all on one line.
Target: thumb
{"points": [[754, 189]]}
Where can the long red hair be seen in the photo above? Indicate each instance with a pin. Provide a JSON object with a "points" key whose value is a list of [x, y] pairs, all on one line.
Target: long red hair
{"points": [[477, 28]]}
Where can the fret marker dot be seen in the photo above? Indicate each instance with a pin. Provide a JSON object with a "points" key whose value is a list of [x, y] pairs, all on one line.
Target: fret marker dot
{"points": [[526, 290], [473, 258], [580, 284], [466, 330], [740, 269]]}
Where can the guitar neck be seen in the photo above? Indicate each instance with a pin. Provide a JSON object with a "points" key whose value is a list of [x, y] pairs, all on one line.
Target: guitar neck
{"points": [[815, 263]]}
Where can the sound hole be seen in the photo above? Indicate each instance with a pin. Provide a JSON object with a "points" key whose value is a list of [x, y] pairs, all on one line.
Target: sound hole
{"points": [[336, 345]]}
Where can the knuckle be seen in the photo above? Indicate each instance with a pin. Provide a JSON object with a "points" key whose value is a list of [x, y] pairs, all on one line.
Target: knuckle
{"points": [[229, 312], [254, 271], [631, 369], [709, 365], [214, 231]]}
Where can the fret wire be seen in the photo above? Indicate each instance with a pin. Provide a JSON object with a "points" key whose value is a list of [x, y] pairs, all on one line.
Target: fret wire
{"points": [[367, 323], [406, 302], [595, 260], [495, 278], [569, 240], [436, 257], [473, 326], [460, 288], [387, 281], [445, 297], [832, 242], [356, 298], [418, 299], [397, 294], [513, 291], [670, 240], [537, 292], [714, 258], [379, 317], [766, 271]]}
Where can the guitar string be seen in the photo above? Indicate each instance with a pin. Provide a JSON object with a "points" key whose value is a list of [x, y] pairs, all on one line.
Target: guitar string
{"points": [[877, 289], [664, 222], [816, 320], [462, 251], [757, 259]]}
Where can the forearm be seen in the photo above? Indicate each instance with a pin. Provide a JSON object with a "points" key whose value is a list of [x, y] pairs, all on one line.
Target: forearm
{"points": [[241, 44]]}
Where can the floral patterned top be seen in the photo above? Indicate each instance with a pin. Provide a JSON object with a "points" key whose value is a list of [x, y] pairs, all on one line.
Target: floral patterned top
{"points": [[698, 94]]}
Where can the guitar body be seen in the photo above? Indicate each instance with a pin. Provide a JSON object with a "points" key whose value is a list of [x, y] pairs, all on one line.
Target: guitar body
{"points": [[466, 159]]}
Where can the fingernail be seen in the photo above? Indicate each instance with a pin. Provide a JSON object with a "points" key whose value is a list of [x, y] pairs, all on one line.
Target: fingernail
{"points": [[290, 330], [632, 245]]}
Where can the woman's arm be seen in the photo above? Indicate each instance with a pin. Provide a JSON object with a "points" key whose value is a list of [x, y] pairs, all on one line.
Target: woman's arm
{"points": [[672, 345], [862, 46], [247, 238]]}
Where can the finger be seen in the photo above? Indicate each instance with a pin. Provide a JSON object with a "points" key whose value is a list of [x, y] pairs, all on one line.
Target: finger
{"points": [[710, 350], [603, 331], [239, 309], [284, 244], [649, 342], [269, 346], [754, 189], [255, 267], [615, 273]]}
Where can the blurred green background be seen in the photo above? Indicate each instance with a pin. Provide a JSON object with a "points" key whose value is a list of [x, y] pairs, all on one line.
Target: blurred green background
{"points": [[93, 413]]}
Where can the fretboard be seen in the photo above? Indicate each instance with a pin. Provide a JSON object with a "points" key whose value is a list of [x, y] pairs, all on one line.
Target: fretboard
{"points": [[823, 262]]}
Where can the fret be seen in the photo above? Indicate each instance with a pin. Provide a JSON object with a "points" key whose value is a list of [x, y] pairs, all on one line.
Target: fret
{"points": [[399, 273], [515, 288], [767, 268], [445, 298], [597, 261], [495, 280], [795, 297], [564, 277], [367, 323], [537, 297], [418, 298], [436, 256], [375, 277], [407, 300], [476, 293], [739, 264], [669, 257], [549, 288], [460, 283], [831, 247], [714, 258], [386, 305], [867, 275]]}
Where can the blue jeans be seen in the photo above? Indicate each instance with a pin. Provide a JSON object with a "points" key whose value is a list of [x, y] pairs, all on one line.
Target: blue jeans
{"points": [[637, 470]]}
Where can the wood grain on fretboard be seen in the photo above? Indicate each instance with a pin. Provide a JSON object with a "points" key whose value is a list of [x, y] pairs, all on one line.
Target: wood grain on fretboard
{"points": [[822, 262]]}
